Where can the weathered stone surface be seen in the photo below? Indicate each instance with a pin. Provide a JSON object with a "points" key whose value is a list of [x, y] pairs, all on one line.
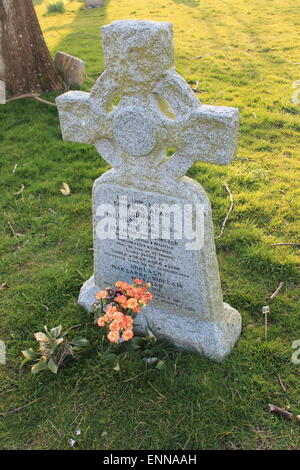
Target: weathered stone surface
{"points": [[156, 110], [72, 69], [94, 3]]}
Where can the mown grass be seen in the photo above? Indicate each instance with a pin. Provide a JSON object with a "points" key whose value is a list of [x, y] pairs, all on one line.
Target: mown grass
{"points": [[46, 242]]}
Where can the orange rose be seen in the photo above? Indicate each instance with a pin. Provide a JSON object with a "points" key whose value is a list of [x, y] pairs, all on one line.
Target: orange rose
{"points": [[114, 326], [132, 303], [138, 281], [119, 284], [127, 321], [136, 293], [118, 316], [137, 309], [127, 335], [121, 299], [111, 309], [113, 336], [101, 295], [101, 321]]}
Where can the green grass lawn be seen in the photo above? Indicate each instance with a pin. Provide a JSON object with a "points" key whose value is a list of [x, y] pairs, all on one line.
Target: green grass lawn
{"points": [[46, 245]]}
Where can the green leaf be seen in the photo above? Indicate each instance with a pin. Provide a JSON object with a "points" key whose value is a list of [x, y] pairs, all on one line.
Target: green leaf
{"points": [[150, 334], [160, 365], [80, 341], [55, 343], [110, 357], [137, 342], [56, 331], [29, 354], [117, 367], [23, 363], [53, 348], [52, 366], [147, 352], [39, 366]]}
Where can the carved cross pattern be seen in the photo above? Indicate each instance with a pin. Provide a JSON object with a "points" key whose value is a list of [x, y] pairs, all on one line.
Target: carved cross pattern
{"points": [[156, 109]]}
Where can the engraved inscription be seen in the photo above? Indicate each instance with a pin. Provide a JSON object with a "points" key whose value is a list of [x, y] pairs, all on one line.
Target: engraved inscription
{"points": [[165, 263]]}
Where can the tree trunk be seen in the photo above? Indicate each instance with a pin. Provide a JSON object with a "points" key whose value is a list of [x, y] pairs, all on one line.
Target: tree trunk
{"points": [[26, 65]]}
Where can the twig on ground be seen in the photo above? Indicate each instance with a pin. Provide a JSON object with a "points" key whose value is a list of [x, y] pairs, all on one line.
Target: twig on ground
{"points": [[217, 96], [195, 89], [292, 111], [254, 114], [77, 326], [3, 285], [4, 392], [244, 159], [280, 412], [285, 244], [265, 311], [132, 378], [20, 407], [12, 230], [31, 95], [228, 213], [276, 292], [204, 56], [80, 274], [54, 427], [89, 79], [282, 384], [187, 441], [157, 391], [76, 246], [20, 190]]}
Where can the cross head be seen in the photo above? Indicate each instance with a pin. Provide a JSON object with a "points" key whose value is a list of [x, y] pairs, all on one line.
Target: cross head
{"points": [[140, 106]]}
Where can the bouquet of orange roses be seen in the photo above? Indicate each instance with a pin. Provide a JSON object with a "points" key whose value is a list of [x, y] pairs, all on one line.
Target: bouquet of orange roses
{"points": [[119, 305]]}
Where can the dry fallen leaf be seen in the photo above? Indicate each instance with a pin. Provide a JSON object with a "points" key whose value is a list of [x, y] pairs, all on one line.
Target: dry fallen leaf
{"points": [[65, 190], [20, 190]]}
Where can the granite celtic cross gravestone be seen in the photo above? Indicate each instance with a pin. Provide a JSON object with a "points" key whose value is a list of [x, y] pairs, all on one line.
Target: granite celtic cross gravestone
{"points": [[137, 110]]}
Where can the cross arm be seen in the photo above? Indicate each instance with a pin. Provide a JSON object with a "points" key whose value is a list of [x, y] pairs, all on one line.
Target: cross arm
{"points": [[79, 121], [209, 135]]}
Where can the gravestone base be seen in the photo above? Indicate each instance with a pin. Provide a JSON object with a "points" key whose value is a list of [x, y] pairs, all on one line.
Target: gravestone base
{"points": [[87, 294], [212, 339]]}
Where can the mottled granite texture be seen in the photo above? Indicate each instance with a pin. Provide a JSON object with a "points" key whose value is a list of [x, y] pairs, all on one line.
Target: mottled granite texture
{"points": [[138, 108]]}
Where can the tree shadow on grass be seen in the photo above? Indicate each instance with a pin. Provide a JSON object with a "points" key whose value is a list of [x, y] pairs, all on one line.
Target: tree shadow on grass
{"points": [[189, 3], [84, 40]]}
